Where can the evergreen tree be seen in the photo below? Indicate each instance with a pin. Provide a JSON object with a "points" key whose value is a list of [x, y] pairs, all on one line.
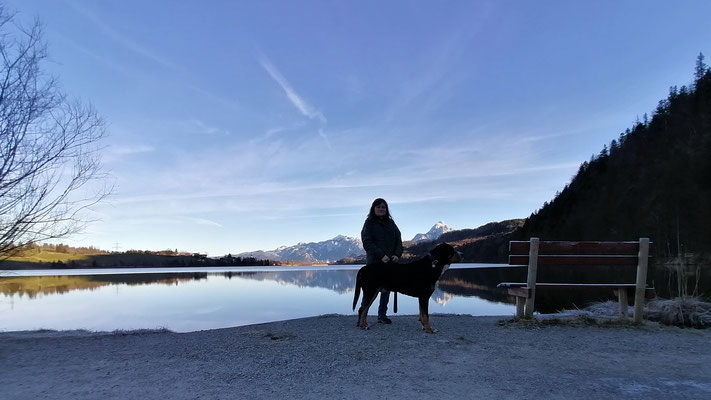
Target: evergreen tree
{"points": [[700, 69]]}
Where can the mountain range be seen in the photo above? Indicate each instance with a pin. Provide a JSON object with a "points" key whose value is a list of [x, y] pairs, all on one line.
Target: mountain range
{"points": [[314, 252], [434, 233], [332, 250], [481, 244]]}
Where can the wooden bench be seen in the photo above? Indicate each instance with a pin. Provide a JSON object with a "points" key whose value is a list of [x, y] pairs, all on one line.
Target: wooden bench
{"points": [[579, 255]]}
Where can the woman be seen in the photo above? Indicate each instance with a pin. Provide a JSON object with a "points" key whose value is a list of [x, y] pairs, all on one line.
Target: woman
{"points": [[383, 244]]}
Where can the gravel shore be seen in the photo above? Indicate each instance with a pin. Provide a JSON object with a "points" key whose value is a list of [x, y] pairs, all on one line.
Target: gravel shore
{"points": [[328, 357]]}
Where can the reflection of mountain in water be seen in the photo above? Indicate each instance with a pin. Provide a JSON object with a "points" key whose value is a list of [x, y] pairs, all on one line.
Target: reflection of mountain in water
{"points": [[454, 283], [340, 281], [441, 297]]}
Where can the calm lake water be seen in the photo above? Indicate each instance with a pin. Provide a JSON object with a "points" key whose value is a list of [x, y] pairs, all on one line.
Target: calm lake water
{"points": [[184, 300], [191, 299]]}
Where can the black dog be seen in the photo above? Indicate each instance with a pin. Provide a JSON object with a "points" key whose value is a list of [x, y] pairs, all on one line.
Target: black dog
{"points": [[416, 279]]}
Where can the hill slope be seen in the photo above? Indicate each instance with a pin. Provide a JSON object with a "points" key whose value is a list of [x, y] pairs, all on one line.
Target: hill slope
{"points": [[485, 244]]}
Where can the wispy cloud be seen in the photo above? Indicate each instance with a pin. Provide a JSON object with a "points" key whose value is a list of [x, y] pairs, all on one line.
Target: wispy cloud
{"points": [[116, 67], [201, 221], [266, 195], [302, 105], [130, 149], [122, 39], [170, 219], [194, 125], [114, 153]]}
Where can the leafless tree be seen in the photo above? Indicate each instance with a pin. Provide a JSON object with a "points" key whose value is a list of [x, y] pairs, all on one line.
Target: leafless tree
{"points": [[50, 171]]}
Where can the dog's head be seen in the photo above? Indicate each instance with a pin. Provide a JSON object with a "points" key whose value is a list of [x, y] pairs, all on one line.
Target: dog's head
{"points": [[444, 255]]}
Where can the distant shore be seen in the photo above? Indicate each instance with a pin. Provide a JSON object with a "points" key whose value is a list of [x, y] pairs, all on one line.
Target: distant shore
{"points": [[327, 356]]}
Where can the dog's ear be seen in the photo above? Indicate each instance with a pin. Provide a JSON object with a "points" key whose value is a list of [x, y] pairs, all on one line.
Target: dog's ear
{"points": [[436, 251], [442, 250]]}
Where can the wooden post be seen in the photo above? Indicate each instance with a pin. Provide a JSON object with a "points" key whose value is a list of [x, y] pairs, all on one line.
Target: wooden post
{"points": [[622, 297], [531, 281], [641, 285], [520, 301]]}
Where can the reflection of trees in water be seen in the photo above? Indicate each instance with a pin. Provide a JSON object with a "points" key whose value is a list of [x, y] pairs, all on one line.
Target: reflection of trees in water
{"points": [[37, 285], [32, 286], [480, 282]]}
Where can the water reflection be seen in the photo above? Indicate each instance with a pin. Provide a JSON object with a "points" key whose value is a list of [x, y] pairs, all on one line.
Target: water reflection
{"points": [[34, 286], [456, 282], [342, 281], [207, 299]]}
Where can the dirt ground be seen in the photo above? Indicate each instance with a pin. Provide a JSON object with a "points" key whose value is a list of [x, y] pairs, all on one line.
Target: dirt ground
{"points": [[328, 357]]}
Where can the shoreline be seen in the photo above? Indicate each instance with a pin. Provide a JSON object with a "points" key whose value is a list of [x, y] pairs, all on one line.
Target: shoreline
{"points": [[470, 357]]}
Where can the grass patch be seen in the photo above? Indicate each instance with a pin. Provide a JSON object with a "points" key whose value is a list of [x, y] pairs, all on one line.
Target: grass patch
{"points": [[689, 312], [581, 320], [138, 332], [49, 257], [684, 312]]}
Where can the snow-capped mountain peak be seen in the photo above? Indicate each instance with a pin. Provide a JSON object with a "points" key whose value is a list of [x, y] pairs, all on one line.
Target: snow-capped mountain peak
{"points": [[434, 233], [329, 250]]}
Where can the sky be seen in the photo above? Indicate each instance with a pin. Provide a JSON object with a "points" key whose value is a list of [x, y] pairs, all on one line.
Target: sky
{"points": [[235, 126]]}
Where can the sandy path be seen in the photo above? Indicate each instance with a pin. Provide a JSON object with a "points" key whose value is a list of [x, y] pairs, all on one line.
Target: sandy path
{"points": [[470, 357]]}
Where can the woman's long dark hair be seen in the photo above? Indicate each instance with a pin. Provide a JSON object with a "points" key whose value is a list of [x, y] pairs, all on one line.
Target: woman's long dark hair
{"points": [[377, 202]]}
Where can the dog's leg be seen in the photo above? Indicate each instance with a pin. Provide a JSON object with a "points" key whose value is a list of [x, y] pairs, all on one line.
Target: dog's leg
{"points": [[357, 290], [369, 296], [424, 314]]}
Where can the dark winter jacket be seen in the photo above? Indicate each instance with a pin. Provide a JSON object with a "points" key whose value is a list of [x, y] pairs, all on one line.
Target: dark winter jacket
{"points": [[380, 238]]}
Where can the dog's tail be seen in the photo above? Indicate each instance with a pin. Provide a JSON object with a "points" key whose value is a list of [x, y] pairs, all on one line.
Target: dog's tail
{"points": [[357, 291]]}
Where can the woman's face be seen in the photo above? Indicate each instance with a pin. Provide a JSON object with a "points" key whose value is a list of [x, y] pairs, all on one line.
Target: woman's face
{"points": [[381, 210]]}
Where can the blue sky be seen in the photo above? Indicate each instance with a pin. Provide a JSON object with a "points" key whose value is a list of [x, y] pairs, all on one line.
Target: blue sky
{"points": [[245, 125]]}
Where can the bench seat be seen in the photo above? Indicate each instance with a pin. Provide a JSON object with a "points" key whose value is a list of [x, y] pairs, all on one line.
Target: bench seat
{"points": [[520, 289]]}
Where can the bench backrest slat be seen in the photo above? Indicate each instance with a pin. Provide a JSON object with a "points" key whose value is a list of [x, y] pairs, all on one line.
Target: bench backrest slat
{"points": [[630, 260], [558, 247]]}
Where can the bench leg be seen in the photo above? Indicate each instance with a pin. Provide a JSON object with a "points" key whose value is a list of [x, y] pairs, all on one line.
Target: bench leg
{"points": [[641, 280], [520, 302], [622, 298]]}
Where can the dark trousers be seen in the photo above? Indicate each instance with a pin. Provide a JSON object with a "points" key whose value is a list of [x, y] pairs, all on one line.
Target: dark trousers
{"points": [[383, 307]]}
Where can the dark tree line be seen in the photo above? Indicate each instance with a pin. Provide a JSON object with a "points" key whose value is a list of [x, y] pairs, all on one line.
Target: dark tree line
{"points": [[653, 181]]}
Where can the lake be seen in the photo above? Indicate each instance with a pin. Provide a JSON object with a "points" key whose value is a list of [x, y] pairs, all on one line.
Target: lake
{"points": [[191, 299]]}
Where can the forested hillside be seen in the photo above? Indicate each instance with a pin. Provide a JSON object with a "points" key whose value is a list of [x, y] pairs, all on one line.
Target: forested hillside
{"points": [[653, 181], [485, 244]]}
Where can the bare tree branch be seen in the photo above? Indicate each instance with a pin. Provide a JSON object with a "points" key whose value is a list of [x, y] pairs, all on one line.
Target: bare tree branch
{"points": [[49, 146]]}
